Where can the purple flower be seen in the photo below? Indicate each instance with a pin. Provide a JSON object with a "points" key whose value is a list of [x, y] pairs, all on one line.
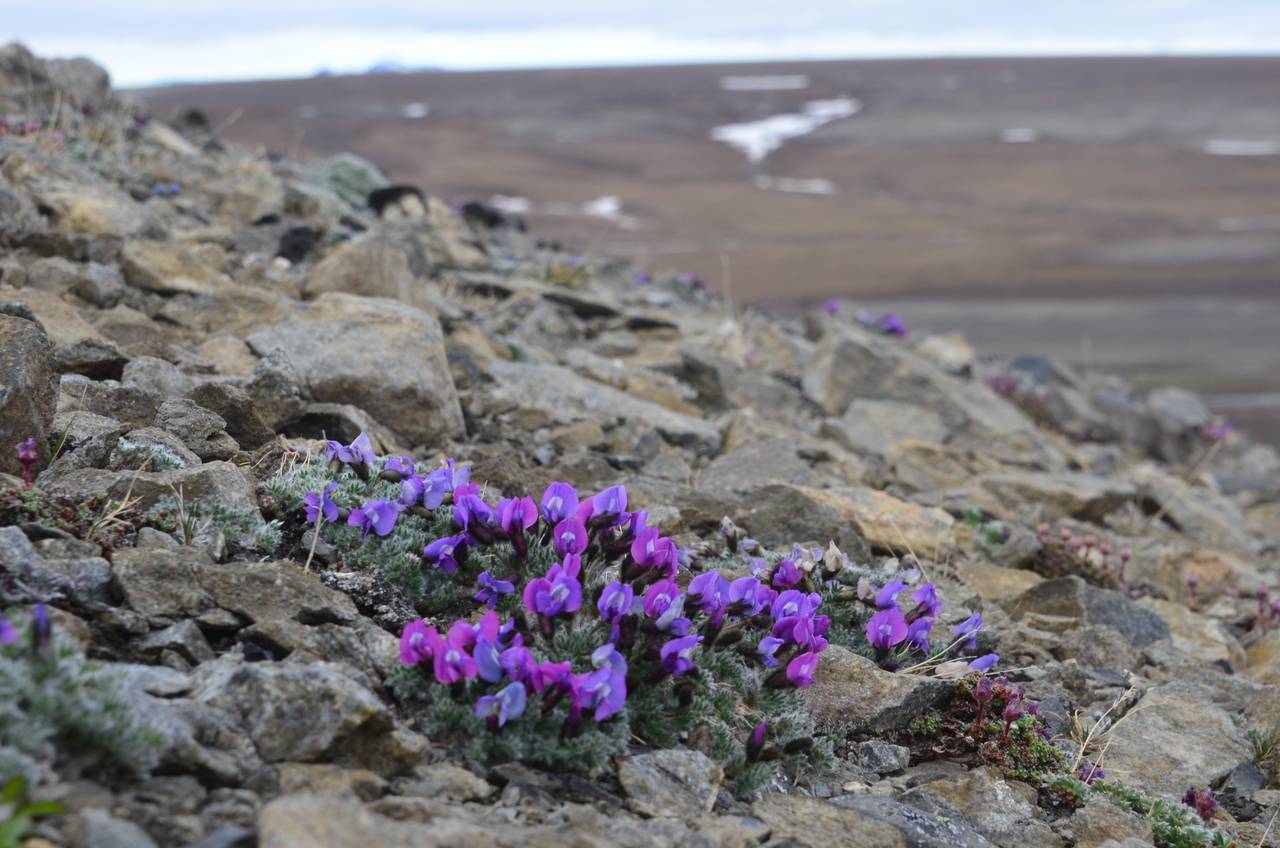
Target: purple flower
{"points": [[984, 663], [652, 551], [755, 742], [832, 306], [488, 661], [412, 489], [1203, 802], [892, 325], [615, 601], [559, 501], [445, 553], [359, 452], [800, 670], [452, 660], [515, 515], [41, 630], [553, 674], [640, 278], [793, 602], [968, 630], [507, 704], [559, 593], [320, 504], [520, 666], [766, 649], [677, 654], [1090, 773], [918, 634], [491, 589], [444, 481], [28, 457], [664, 603], [885, 597], [477, 518], [609, 506], [605, 689], [1216, 432], [570, 537], [927, 601], [375, 517], [8, 633], [753, 595], [397, 468], [786, 575], [886, 629], [709, 591], [418, 643]]}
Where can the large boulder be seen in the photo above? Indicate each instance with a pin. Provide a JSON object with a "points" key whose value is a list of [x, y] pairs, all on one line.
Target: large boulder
{"points": [[388, 358]]}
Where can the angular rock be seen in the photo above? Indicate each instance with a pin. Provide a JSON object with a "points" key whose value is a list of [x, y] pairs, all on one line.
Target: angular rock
{"points": [[779, 514], [220, 482], [672, 782], [202, 431], [174, 267], [237, 410], [550, 394], [1004, 811], [385, 357], [852, 693], [375, 264], [871, 426], [100, 829], [1066, 603], [797, 820], [1174, 738], [28, 389]]}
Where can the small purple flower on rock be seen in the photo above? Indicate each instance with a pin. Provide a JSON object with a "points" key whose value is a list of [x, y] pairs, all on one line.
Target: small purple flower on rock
{"points": [[755, 742], [507, 704], [753, 595], [616, 601], [8, 633], [651, 550], [1090, 773], [709, 591], [375, 517], [892, 325], [443, 482], [677, 654], [786, 575], [886, 629], [559, 501], [491, 589], [320, 504], [918, 634], [452, 660], [515, 515], [927, 602], [397, 468], [832, 306], [41, 630]]}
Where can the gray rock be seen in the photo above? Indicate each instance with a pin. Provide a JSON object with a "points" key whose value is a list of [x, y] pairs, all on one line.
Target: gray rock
{"points": [[235, 406], [850, 692], [202, 431], [28, 389], [1003, 811], [276, 388], [766, 460], [444, 780], [385, 357], [871, 426], [1099, 821], [883, 758], [1066, 603], [101, 285], [375, 264], [100, 829], [672, 782], [797, 820], [155, 376], [920, 828], [1175, 737], [107, 398], [220, 482], [183, 638]]}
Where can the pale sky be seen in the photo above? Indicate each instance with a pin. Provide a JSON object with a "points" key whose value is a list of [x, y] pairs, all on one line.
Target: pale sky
{"points": [[148, 41]]}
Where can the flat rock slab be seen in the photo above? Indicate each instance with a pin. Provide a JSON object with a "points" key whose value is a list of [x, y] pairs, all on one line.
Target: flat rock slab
{"points": [[851, 692], [672, 782]]}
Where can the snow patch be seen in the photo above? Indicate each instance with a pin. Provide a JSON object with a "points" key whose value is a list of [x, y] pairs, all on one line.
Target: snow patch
{"points": [[757, 139]]}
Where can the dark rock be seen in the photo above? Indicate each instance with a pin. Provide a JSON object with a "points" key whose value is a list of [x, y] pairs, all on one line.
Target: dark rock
{"points": [[1068, 602]]}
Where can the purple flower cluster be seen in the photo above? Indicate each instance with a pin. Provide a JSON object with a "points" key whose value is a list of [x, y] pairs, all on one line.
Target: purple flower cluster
{"points": [[647, 613], [28, 457], [891, 631], [494, 652]]}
